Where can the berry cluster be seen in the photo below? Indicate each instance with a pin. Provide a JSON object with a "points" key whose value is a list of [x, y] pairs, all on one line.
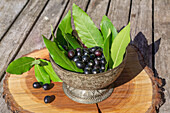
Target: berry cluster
{"points": [[91, 60]]}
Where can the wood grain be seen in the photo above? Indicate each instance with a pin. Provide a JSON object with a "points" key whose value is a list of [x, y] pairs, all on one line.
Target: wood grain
{"points": [[3, 105], [135, 90], [141, 28], [162, 46], [119, 12], [96, 10], [9, 10], [18, 32], [43, 26]]}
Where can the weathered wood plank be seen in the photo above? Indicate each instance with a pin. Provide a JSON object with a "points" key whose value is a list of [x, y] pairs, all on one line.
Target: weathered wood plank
{"points": [[162, 47], [141, 28], [3, 105], [9, 10], [119, 12], [50, 16], [96, 10], [18, 32]]}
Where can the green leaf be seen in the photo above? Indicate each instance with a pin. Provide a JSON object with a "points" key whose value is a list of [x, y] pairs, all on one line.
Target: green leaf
{"points": [[49, 69], [52, 32], [105, 25], [63, 50], [59, 57], [106, 50], [64, 27], [35, 62], [86, 29], [72, 40], [20, 65], [119, 45], [41, 75]]}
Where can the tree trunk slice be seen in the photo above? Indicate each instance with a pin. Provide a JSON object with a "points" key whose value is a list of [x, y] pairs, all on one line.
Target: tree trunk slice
{"points": [[136, 90]]}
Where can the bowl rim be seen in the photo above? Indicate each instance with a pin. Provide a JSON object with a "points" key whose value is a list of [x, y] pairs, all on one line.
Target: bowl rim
{"points": [[88, 75]]}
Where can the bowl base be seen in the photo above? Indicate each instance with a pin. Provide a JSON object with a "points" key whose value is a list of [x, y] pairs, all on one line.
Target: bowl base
{"points": [[87, 96]]}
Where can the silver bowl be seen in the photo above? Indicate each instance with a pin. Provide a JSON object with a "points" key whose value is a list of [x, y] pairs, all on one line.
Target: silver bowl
{"points": [[88, 88]]}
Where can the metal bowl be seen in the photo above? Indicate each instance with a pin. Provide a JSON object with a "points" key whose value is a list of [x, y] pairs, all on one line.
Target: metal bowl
{"points": [[88, 81], [88, 88]]}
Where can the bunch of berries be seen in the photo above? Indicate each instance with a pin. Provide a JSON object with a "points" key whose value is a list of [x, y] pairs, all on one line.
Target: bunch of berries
{"points": [[91, 60]]}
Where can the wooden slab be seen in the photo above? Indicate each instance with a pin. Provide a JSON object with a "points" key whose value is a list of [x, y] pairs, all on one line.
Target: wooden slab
{"points": [[135, 90]]}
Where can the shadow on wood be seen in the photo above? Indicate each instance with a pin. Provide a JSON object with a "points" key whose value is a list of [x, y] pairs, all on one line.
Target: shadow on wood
{"points": [[148, 54]]}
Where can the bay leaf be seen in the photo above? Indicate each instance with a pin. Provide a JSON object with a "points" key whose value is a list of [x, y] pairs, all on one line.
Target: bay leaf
{"points": [[35, 62], [119, 45], [72, 40], [106, 49], [41, 75], [59, 57], [105, 25], [20, 65], [86, 29], [49, 69], [64, 27]]}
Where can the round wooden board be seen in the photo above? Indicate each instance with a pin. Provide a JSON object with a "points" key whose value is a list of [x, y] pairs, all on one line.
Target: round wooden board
{"points": [[136, 90]]}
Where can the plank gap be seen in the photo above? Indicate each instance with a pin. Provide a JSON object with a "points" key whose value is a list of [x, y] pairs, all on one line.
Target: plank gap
{"points": [[13, 22], [108, 6], [99, 111], [59, 19], [130, 11], [153, 41], [87, 5]]}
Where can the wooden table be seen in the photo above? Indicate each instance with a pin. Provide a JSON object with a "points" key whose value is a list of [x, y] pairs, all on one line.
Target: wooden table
{"points": [[22, 22]]}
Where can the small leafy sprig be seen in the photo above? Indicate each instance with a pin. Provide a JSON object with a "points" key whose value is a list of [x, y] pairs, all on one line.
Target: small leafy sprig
{"points": [[44, 72]]}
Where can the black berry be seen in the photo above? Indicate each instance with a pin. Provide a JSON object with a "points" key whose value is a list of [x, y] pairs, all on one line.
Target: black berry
{"points": [[85, 49], [65, 47], [100, 70], [96, 67], [36, 85], [95, 71], [80, 64], [103, 61], [79, 53], [92, 56], [47, 99], [88, 68], [97, 62], [78, 49], [93, 49], [98, 52], [85, 58], [86, 52], [46, 86], [90, 63], [102, 67], [71, 54], [103, 56], [86, 71], [98, 58], [76, 58]]}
